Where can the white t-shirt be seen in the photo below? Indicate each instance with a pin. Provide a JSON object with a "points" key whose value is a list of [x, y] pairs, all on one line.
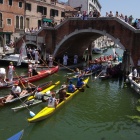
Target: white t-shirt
{"points": [[16, 89], [51, 102]]}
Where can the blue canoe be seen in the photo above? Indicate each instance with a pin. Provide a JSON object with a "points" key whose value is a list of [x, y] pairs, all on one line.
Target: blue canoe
{"points": [[17, 136]]}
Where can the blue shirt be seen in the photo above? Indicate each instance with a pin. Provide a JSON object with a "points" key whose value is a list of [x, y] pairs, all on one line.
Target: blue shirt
{"points": [[80, 83], [71, 88]]}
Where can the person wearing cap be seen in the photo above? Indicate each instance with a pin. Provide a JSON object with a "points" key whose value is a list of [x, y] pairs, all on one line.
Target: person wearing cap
{"points": [[71, 87], [62, 93], [38, 94], [11, 69], [15, 92]]}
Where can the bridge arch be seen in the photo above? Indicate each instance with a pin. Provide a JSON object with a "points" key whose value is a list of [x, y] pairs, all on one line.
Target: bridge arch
{"points": [[87, 31]]}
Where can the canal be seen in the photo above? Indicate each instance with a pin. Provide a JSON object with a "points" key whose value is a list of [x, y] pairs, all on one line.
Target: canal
{"points": [[101, 112]]}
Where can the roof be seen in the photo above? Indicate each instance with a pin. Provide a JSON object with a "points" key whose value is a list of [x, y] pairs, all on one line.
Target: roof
{"points": [[69, 8]]}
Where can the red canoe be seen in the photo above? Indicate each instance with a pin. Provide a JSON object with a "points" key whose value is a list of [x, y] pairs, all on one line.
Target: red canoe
{"points": [[102, 59], [22, 79]]}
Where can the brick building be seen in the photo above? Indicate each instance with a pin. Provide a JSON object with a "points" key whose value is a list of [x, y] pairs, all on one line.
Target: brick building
{"points": [[17, 15]]}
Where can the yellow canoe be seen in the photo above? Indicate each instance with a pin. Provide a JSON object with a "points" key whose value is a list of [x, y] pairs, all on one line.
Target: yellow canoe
{"points": [[47, 111]]}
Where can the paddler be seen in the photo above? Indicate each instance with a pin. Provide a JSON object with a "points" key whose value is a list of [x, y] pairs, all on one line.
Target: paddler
{"points": [[52, 101], [15, 92]]}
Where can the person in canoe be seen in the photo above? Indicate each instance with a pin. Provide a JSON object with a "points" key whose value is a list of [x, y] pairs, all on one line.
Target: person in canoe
{"points": [[71, 87], [38, 95], [15, 92], [62, 93], [29, 88], [30, 69], [80, 83], [34, 68], [52, 101]]}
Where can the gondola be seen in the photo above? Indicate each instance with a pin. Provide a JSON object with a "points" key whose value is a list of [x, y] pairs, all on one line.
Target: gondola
{"points": [[22, 79]]}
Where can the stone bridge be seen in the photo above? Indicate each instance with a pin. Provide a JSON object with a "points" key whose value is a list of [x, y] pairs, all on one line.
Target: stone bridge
{"points": [[75, 35]]}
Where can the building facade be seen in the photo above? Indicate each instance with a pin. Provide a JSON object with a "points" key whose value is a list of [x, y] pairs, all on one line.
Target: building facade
{"points": [[17, 15], [86, 5], [38, 12], [11, 20]]}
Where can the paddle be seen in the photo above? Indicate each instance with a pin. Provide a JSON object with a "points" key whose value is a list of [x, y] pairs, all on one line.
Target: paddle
{"points": [[64, 66], [20, 80], [32, 114], [97, 76]]}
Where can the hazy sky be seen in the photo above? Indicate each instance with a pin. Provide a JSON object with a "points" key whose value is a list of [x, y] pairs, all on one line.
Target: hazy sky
{"points": [[126, 7]]}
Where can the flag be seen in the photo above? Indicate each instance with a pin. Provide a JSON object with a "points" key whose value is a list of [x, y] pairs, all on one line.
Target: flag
{"points": [[22, 53]]}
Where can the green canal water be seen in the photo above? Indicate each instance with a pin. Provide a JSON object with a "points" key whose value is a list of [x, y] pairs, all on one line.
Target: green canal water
{"points": [[102, 112]]}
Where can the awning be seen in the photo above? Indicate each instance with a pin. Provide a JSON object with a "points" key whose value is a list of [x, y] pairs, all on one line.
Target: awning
{"points": [[47, 20]]}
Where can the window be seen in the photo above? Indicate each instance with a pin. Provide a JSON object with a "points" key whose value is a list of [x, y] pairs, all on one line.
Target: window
{"points": [[0, 19], [21, 22], [27, 23], [20, 4], [62, 14], [17, 22], [53, 12], [28, 6], [1, 1], [9, 21], [10, 2], [42, 10]]}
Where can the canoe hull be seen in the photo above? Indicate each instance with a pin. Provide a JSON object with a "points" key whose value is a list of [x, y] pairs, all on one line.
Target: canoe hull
{"points": [[46, 112], [3, 102], [42, 74]]}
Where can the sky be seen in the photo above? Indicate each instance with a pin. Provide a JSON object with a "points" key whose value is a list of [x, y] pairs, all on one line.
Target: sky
{"points": [[126, 7]]}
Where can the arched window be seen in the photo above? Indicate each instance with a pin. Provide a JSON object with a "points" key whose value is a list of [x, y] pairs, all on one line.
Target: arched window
{"points": [[17, 22], [0, 19], [21, 22]]}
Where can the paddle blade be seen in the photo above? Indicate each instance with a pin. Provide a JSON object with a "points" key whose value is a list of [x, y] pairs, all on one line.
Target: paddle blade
{"points": [[32, 114], [87, 86]]}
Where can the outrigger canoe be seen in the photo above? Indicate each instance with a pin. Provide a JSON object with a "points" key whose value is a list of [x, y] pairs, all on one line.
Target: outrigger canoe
{"points": [[31, 101], [46, 112], [17, 136], [42, 86], [22, 79]]}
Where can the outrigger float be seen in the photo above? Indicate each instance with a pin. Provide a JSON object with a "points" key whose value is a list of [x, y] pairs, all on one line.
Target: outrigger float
{"points": [[31, 101]]}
